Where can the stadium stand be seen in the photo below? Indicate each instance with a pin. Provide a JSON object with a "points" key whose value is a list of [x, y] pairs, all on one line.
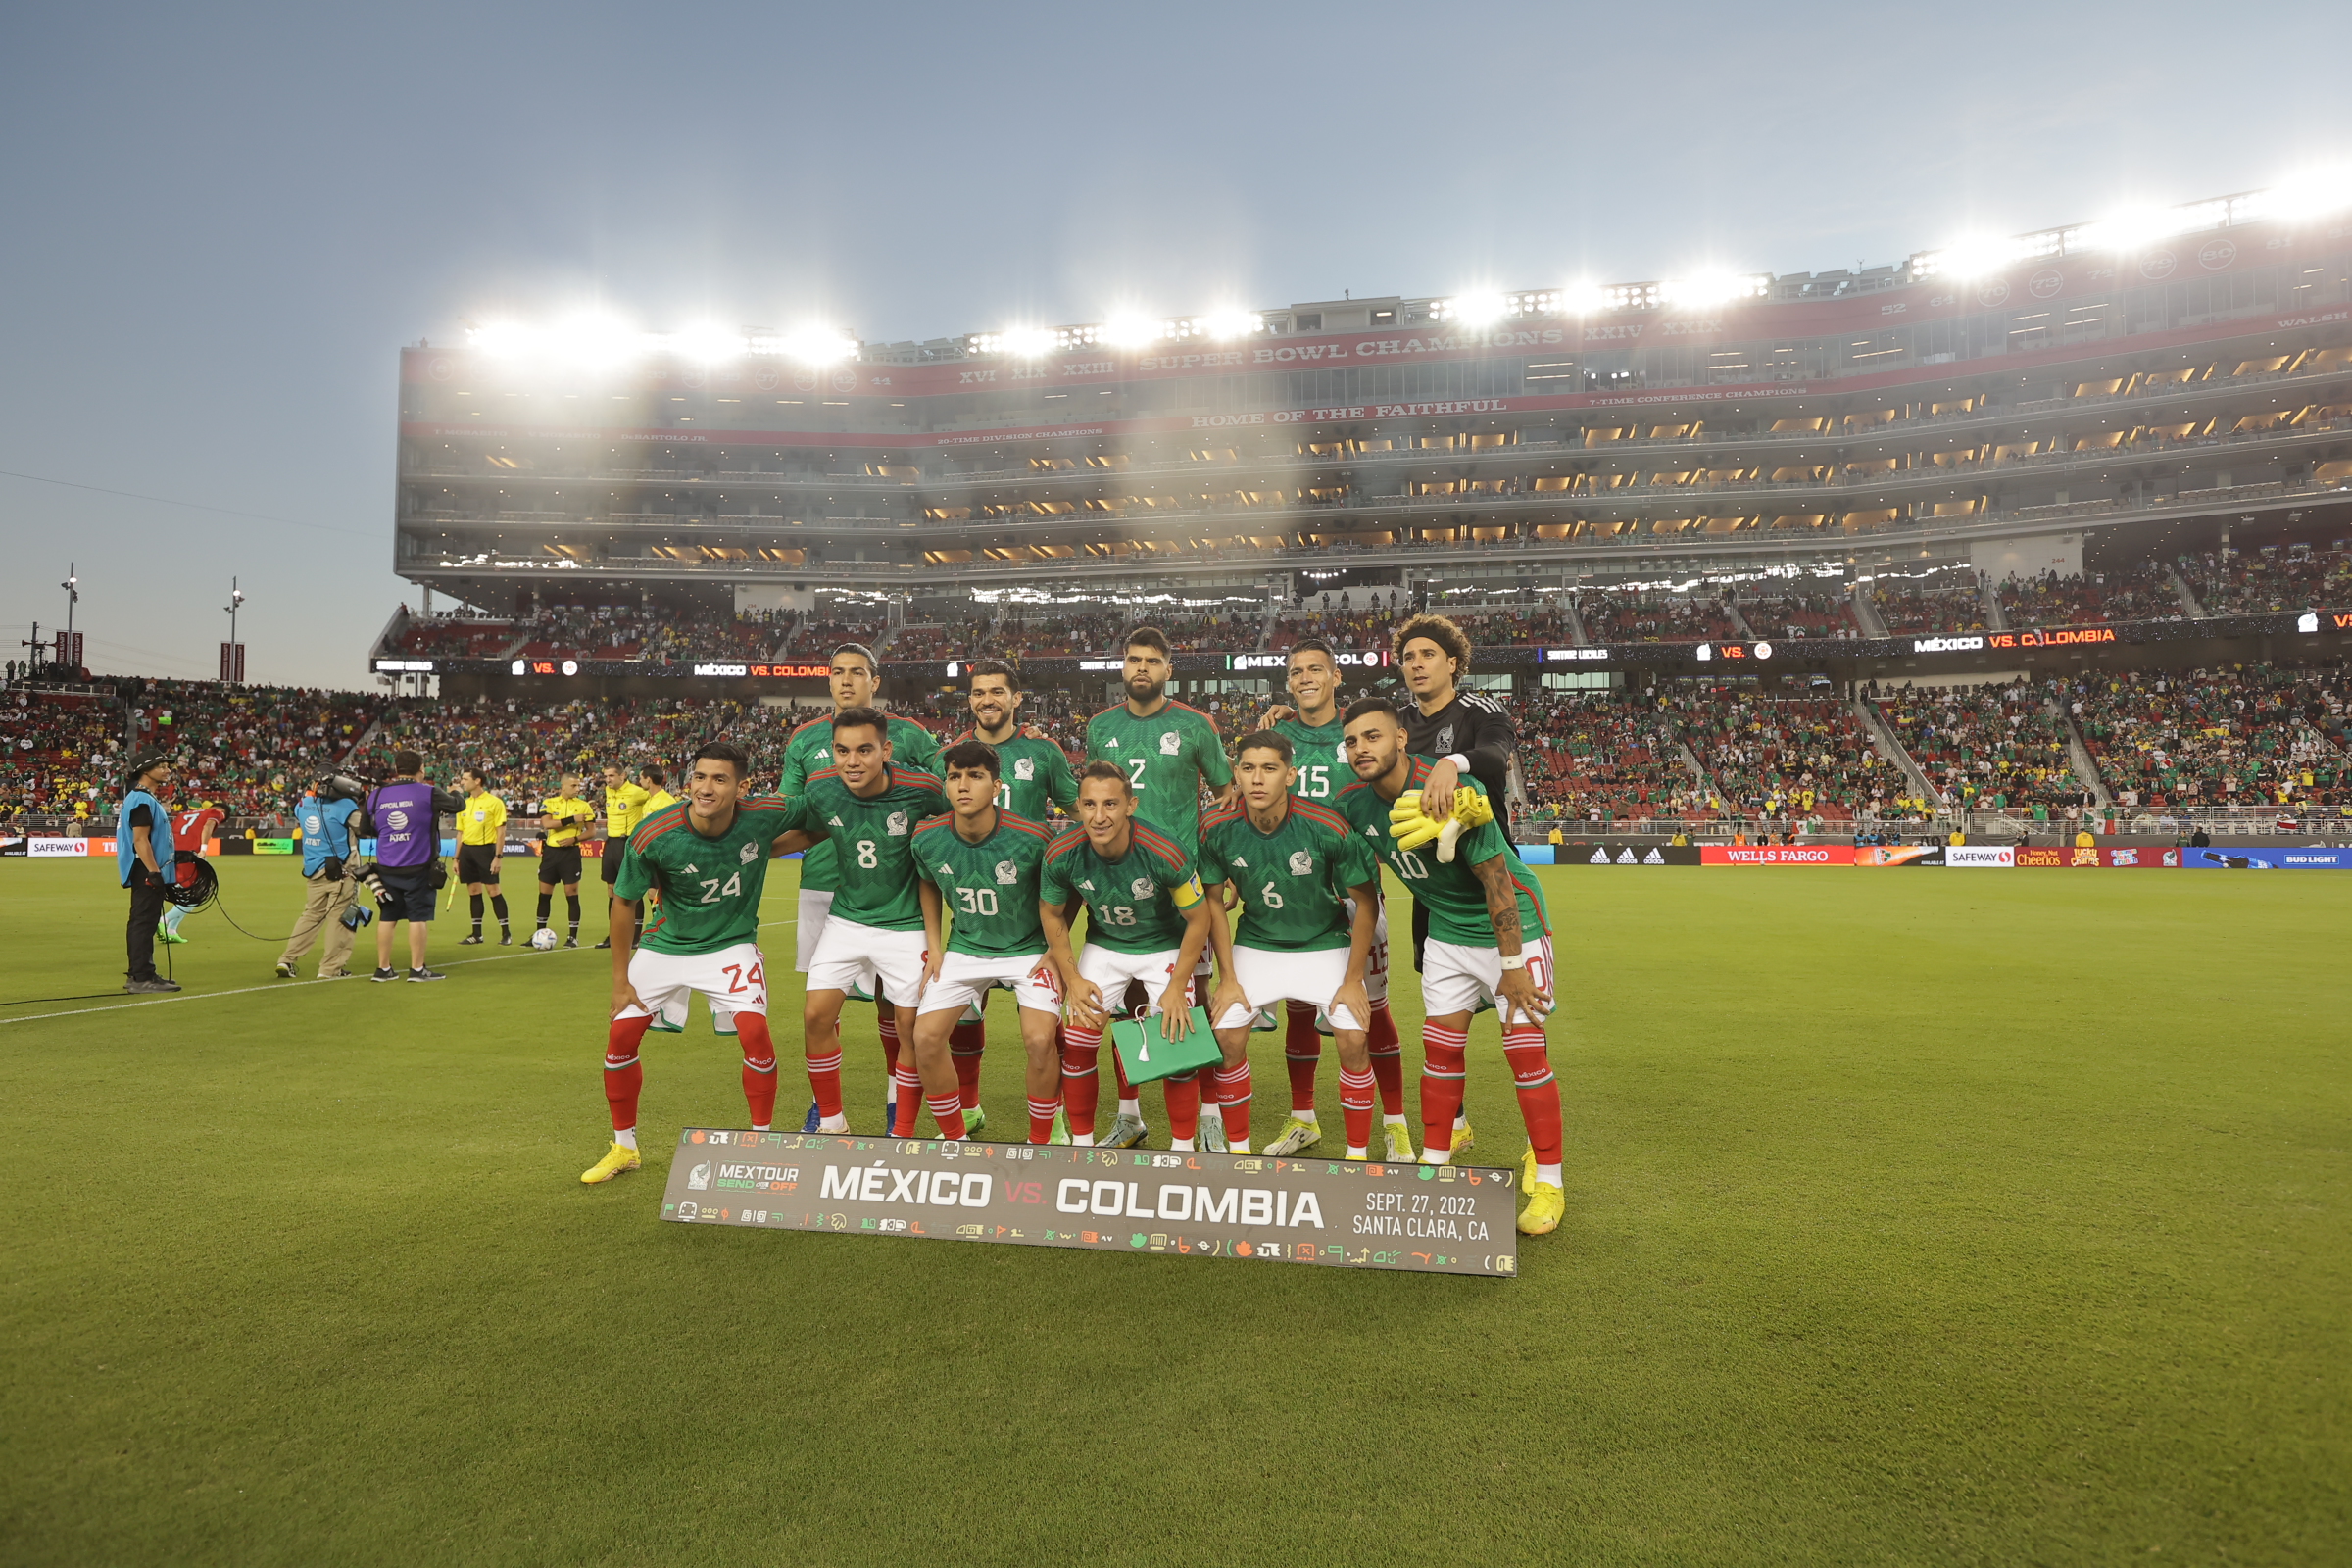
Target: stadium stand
{"points": [[2252, 735], [1600, 757], [2268, 581], [1797, 613], [1627, 617], [2139, 593], [1784, 757], [1992, 748], [1946, 603]]}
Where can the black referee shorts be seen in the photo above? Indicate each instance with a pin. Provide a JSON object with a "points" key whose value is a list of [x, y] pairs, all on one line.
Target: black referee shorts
{"points": [[477, 862], [614, 849], [560, 865]]}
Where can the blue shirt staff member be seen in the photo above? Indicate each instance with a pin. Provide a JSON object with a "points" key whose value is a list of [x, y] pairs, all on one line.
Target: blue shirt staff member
{"points": [[143, 862], [327, 842], [406, 815]]}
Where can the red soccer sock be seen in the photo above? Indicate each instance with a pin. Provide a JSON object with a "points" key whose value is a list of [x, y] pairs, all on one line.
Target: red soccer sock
{"points": [[624, 1074], [1184, 1107], [1388, 1061], [1301, 1052], [1441, 1071], [1234, 1090], [886, 1021], [759, 1067], [824, 1080], [1355, 1107], [907, 1088], [1041, 1120], [1523, 1046], [965, 1041], [948, 1110], [1080, 1085]]}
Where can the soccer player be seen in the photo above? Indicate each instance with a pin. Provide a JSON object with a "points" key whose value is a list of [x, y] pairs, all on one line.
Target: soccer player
{"points": [[564, 816], [708, 856], [1487, 943], [1313, 730], [481, 850], [867, 807], [851, 680], [1034, 776], [1309, 894], [189, 829], [624, 808], [981, 864], [1145, 921], [1463, 733], [1168, 752]]}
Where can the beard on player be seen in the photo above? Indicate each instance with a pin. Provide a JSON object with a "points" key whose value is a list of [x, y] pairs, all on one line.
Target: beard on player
{"points": [[1145, 687]]}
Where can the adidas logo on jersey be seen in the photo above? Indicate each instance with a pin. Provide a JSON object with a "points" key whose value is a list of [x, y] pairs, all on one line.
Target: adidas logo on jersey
{"points": [[694, 870], [1086, 886], [1241, 863], [945, 869], [832, 821]]}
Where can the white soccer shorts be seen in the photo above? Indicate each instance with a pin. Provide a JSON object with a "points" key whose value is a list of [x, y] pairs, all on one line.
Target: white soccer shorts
{"points": [[854, 957], [732, 980], [809, 926], [1458, 979], [1268, 977], [1110, 968], [965, 978]]}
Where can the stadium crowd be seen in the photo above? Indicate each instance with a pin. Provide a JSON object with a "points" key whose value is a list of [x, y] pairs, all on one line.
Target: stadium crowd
{"points": [[2248, 584], [2248, 735], [1601, 758], [1622, 617], [1796, 613], [1988, 747], [1784, 757], [2143, 593], [1951, 603]]}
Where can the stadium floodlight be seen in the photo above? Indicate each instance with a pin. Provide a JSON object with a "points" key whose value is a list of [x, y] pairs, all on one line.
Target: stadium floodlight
{"points": [[503, 339], [1583, 297], [2310, 193], [811, 345], [1971, 257], [1131, 332], [706, 342], [595, 340], [2129, 229], [1223, 324], [1713, 288], [1476, 309], [1025, 342]]}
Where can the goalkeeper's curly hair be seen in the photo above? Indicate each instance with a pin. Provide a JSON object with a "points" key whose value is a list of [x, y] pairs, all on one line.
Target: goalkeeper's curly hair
{"points": [[1439, 630]]}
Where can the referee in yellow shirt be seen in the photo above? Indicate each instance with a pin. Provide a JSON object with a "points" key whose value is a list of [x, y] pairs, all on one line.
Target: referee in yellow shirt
{"points": [[656, 798], [564, 816], [481, 846], [624, 808]]}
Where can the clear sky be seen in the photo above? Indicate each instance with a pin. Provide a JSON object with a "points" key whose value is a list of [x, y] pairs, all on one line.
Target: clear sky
{"points": [[220, 223]]}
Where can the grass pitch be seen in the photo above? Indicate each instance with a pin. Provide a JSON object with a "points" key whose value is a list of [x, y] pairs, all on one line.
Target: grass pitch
{"points": [[1912, 1217]]}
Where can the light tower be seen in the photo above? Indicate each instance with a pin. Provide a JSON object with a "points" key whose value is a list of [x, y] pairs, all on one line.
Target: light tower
{"points": [[233, 652]]}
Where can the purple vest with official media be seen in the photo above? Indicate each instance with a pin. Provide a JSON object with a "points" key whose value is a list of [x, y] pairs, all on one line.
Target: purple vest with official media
{"points": [[406, 835]]}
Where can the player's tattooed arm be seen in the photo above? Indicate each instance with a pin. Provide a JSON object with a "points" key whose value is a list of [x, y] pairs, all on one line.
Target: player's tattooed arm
{"points": [[1502, 902]]}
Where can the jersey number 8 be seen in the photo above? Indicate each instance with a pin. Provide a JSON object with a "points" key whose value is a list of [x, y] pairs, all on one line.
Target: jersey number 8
{"points": [[867, 859]]}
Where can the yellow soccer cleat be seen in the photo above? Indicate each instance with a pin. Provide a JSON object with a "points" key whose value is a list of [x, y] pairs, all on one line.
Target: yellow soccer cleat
{"points": [[1399, 1141], [1527, 1171], [1545, 1204], [1462, 1140], [617, 1158]]}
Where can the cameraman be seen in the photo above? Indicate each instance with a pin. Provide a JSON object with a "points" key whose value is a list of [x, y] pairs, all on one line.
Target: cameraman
{"points": [[406, 812], [142, 853], [325, 816]]}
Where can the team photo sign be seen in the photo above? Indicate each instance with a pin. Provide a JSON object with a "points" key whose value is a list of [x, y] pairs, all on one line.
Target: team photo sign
{"points": [[1440, 1219]]}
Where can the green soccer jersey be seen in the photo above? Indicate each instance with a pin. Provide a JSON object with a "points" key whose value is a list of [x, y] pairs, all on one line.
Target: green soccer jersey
{"points": [[1457, 903], [809, 752], [990, 888], [1033, 773], [1293, 881], [1136, 903], [1167, 757], [710, 887], [1320, 756], [873, 842]]}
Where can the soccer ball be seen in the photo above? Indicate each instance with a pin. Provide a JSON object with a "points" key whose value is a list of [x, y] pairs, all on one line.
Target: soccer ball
{"points": [[544, 940]]}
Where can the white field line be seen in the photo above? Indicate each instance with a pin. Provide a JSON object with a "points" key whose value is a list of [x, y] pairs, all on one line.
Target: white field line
{"points": [[282, 985]]}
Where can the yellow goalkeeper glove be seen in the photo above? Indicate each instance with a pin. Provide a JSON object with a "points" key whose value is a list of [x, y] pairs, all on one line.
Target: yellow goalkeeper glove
{"points": [[1412, 826]]}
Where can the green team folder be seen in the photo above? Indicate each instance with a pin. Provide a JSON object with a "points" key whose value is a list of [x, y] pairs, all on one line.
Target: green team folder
{"points": [[1148, 1055]]}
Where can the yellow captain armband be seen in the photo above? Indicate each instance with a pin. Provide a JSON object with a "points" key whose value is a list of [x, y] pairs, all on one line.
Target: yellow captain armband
{"points": [[1186, 895]]}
